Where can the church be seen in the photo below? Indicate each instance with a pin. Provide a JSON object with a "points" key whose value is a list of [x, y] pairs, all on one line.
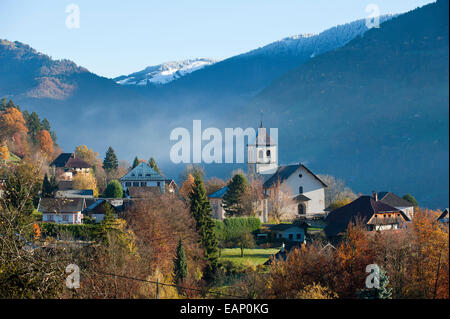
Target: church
{"points": [[302, 191]]}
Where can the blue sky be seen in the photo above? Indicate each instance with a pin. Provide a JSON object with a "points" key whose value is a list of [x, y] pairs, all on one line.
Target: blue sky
{"points": [[121, 37]]}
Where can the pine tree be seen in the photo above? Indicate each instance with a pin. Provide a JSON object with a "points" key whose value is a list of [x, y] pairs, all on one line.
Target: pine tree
{"points": [[232, 200], [180, 264], [110, 163], [47, 187], [135, 162], [152, 164], [202, 212], [378, 293]]}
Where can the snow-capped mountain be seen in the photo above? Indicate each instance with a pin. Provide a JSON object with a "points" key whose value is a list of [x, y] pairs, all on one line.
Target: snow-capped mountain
{"points": [[316, 44], [165, 72]]}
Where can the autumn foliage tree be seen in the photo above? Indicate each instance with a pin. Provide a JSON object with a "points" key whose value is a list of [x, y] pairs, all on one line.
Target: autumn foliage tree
{"points": [[85, 181], [45, 143]]}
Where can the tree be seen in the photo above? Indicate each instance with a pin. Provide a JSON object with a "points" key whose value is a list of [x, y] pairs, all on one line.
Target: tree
{"points": [[113, 190], [11, 121], [135, 162], [339, 203], [191, 169], [244, 240], [45, 142], [85, 181], [202, 212], [411, 199], [180, 267], [21, 187], [110, 163], [280, 201], [152, 164], [89, 156], [186, 188], [4, 152], [49, 187], [383, 292], [316, 291], [34, 126], [336, 190], [233, 198]]}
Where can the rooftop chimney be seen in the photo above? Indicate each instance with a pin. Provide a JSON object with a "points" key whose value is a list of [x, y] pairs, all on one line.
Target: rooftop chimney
{"points": [[375, 196]]}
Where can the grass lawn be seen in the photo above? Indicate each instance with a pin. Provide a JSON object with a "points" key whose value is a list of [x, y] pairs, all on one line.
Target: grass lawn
{"points": [[257, 256]]}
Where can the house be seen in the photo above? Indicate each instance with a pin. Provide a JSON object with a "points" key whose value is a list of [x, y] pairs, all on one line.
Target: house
{"points": [[96, 208], [443, 218], [216, 202], [62, 210], [171, 186], [374, 214], [143, 176], [290, 232], [67, 165], [75, 193], [307, 191], [396, 201]]}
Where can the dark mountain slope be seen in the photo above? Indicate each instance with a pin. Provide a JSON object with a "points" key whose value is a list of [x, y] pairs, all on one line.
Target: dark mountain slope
{"points": [[374, 111]]}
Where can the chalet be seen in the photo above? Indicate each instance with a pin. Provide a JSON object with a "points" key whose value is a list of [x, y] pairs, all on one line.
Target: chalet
{"points": [[62, 210], [375, 214], [66, 165], [396, 201], [143, 176]]}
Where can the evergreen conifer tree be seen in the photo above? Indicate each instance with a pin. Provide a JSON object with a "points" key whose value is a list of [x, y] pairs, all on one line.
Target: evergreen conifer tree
{"points": [[202, 212], [180, 264], [152, 164], [232, 200], [110, 162], [378, 293], [135, 162]]}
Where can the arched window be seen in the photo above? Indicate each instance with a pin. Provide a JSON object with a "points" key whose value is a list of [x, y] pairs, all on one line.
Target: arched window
{"points": [[300, 190], [268, 153], [301, 209], [261, 154]]}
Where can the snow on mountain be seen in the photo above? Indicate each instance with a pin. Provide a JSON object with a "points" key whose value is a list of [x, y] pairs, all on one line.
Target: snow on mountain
{"points": [[165, 72], [315, 44]]}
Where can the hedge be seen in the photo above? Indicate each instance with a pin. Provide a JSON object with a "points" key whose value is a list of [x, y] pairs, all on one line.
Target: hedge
{"points": [[230, 228], [77, 231]]}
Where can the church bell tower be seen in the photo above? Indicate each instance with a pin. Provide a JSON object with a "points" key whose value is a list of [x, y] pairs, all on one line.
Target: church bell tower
{"points": [[262, 155]]}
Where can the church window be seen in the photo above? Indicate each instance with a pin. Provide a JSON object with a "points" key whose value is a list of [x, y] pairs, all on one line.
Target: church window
{"points": [[268, 153], [300, 190], [300, 175], [261, 154]]}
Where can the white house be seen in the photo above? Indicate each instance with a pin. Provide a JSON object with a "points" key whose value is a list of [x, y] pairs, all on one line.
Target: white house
{"points": [[62, 210], [143, 176]]}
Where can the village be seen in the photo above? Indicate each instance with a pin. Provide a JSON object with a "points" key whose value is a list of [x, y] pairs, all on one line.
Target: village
{"points": [[226, 230]]}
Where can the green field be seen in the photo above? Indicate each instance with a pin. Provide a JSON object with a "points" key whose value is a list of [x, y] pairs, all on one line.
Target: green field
{"points": [[257, 256]]}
